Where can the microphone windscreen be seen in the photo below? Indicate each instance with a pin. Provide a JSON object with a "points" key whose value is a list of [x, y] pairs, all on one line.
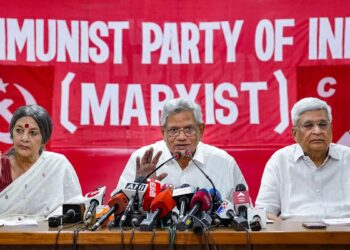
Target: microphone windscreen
{"points": [[188, 153], [241, 187], [97, 195], [152, 191], [163, 201], [241, 200], [120, 201], [177, 155], [215, 193], [203, 197], [241, 197], [167, 186]]}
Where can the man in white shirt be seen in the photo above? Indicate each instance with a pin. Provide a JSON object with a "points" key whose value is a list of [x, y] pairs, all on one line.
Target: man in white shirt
{"points": [[182, 128], [310, 179]]}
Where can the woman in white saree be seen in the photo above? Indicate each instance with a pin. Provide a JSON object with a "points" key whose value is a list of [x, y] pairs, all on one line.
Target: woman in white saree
{"points": [[34, 182]]}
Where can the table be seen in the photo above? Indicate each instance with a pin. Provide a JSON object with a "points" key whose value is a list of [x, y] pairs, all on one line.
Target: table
{"points": [[285, 235]]}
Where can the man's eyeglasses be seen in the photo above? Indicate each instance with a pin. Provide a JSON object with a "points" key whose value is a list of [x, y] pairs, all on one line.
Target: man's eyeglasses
{"points": [[188, 131], [323, 125]]}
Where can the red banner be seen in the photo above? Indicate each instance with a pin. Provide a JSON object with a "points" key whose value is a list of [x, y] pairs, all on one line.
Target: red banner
{"points": [[331, 84], [22, 85]]}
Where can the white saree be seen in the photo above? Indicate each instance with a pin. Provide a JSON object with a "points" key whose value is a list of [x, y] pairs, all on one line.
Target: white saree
{"points": [[49, 183]]}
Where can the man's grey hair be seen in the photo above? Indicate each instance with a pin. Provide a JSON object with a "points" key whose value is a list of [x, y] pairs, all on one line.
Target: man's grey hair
{"points": [[309, 104], [178, 105]]}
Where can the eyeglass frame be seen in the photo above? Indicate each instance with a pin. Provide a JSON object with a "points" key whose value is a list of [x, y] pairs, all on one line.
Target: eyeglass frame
{"points": [[177, 131], [322, 125]]}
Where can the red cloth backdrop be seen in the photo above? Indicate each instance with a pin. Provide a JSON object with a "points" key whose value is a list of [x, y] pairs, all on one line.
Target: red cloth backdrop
{"points": [[104, 69]]}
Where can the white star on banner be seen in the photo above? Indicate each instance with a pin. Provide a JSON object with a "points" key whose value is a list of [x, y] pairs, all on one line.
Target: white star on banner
{"points": [[3, 85]]}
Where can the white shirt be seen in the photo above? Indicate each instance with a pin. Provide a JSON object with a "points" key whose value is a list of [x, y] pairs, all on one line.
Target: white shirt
{"points": [[293, 186], [215, 162]]}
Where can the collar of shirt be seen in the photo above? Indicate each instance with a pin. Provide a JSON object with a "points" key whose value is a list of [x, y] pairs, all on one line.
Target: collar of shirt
{"points": [[199, 155], [299, 153], [333, 153]]}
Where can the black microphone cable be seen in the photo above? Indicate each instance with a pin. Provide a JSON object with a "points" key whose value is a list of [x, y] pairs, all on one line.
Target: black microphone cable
{"points": [[75, 238], [132, 235], [209, 242], [171, 227], [172, 237], [188, 153], [249, 244], [195, 218], [209, 239], [152, 246], [122, 243], [65, 227]]}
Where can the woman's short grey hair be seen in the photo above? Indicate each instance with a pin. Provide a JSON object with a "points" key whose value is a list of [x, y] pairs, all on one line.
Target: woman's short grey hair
{"points": [[41, 117], [309, 104], [178, 105]]}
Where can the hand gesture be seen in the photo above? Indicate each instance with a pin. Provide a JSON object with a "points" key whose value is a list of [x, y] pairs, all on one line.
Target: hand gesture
{"points": [[148, 163]]}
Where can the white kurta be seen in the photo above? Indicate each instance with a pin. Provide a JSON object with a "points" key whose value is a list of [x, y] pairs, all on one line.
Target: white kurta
{"points": [[216, 163], [49, 183], [295, 188]]}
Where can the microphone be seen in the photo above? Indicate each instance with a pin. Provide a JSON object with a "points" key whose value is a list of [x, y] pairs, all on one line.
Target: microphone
{"points": [[255, 223], [117, 205], [202, 223], [152, 191], [188, 153], [135, 198], [134, 191], [183, 196], [201, 201], [166, 186], [226, 211], [92, 200], [257, 218], [73, 213], [133, 188], [162, 205], [69, 215], [241, 200], [216, 196]]}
